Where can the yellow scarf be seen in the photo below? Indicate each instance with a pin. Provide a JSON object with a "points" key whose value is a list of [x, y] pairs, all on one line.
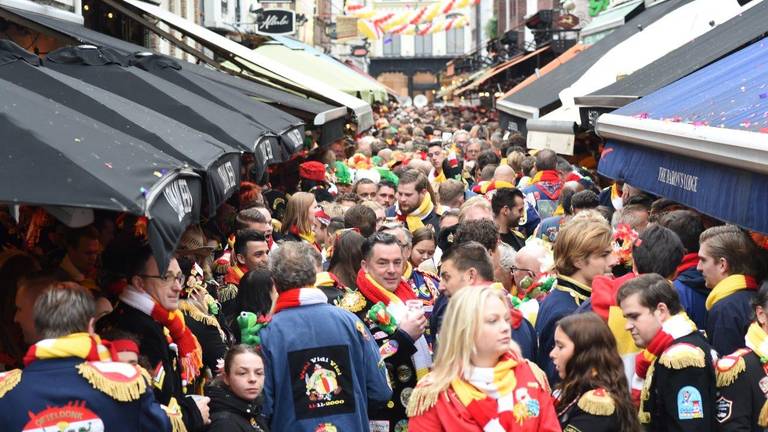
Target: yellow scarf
{"points": [[728, 286], [414, 219], [408, 272], [536, 178], [440, 178], [504, 382], [82, 345]]}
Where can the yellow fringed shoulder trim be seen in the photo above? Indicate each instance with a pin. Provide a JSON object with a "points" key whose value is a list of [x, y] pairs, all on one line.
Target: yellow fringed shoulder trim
{"points": [[173, 411], [762, 419], [229, 292], [121, 381], [597, 402], [683, 355], [730, 367], [423, 398], [197, 315], [541, 377], [9, 380]]}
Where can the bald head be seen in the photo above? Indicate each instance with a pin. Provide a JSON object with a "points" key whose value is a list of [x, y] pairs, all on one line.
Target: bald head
{"points": [[529, 259], [504, 173]]}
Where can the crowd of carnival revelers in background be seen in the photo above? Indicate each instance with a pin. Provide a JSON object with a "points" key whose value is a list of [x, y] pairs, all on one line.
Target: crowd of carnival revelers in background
{"points": [[430, 274]]}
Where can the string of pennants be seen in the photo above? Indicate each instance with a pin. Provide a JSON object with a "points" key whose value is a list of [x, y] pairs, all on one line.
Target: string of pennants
{"points": [[421, 21]]}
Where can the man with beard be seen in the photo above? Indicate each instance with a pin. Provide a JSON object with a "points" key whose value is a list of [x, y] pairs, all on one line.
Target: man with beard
{"points": [[414, 202]]}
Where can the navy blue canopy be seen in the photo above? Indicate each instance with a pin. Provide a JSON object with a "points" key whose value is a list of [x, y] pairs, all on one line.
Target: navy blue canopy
{"points": [[701, 141]]}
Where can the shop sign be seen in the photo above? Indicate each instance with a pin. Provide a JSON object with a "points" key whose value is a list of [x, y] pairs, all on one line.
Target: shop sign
{"points": [[567, 21], [276, 22]]}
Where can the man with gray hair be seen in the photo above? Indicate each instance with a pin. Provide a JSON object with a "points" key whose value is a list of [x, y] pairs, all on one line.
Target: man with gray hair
{"points": [[69, 377], [322, 364]]}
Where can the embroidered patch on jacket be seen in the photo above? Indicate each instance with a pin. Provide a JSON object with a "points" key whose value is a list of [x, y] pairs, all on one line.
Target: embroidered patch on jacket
{"points": [[73, 416], [723, 409], [689, 404], [322, 381]]}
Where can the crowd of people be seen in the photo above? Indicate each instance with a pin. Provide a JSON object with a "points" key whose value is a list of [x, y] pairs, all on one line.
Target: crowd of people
{"points": [[432, 274]]}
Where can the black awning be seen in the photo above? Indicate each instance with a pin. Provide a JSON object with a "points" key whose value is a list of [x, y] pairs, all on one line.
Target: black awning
{"points": [[543, 94], [722, 40]]}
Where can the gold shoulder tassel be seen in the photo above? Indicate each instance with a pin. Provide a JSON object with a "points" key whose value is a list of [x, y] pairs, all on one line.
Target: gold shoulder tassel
{"points": [[173, 411], [197, 315], [422, 399], [9, 380], [541, 377], [597, 402], [124, 391], [762, 420], [726, 377], [228, 293], [681, 357]]}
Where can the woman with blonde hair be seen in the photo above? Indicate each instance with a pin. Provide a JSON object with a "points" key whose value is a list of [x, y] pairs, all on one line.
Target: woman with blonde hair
{"points": [[479, 381], [299, 221], [583, 250]]}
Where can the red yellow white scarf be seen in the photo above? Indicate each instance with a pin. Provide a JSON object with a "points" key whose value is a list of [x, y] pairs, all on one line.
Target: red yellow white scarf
{"points": [[299, 297], [190, 353], [487, 186], [235, 273], [728, 286], [308, 237], [80, 345], [415, 219], [675, 327], [483, 391]]}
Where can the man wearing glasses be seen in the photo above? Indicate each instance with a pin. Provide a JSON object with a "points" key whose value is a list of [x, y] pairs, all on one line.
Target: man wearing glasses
{"points": [[148, 307]]}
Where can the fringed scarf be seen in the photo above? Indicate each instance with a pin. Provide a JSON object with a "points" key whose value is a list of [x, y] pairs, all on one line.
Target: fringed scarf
{"points": [[675, 327], [757, 340], [299, 297], [488, 395], [308, 237], [395, 303], [190, 353], [80, 345], [415, 219], [728, 286]]}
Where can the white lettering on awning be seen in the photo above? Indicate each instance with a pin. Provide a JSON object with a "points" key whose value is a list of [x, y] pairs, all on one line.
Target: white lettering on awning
{"points": [[678, 179], [179, 197], [227, 175]]}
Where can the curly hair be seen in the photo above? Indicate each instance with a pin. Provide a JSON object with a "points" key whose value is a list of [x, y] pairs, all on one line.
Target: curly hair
{"points": [[595, 364]]}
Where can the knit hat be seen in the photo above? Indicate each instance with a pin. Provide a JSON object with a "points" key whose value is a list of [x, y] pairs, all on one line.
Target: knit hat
{"points": [[343, 175], [312, 170]]}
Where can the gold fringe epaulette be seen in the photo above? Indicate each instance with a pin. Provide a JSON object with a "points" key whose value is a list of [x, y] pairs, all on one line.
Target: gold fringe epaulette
{"points": [[762, 419], [352, 300], [597, 402], [173, 411], [423, 398], [196, 314], [730, 367], [541, 377], [227, 293], [9, 380], [683, 355], [121, 381]]}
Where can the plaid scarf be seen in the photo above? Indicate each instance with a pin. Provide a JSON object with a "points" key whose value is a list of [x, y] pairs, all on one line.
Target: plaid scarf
{"points": [[395, 304], [81, 345], [190, 353], [415, 219], [488, 395], [728, 286], [299, 297], [675, 327]]}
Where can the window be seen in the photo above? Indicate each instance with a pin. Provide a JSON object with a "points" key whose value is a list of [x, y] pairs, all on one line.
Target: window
{"points": [[454, 41], [392, 46], [423, 45]]}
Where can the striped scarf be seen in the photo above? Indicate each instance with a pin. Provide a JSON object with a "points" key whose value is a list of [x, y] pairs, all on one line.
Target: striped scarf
{"points": [[308, 237], [415, 219], [488, 395], [728, 286], [675, 327], [299, 297], [81, 345], [395, 303], [190, 353]]}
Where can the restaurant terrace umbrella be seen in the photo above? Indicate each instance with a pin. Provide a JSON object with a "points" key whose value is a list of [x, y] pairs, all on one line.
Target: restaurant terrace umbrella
{"points": [[55, 156], [218, 163]]}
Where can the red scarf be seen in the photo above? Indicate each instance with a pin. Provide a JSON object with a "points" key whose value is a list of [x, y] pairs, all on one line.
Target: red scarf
{"points": [[299, 297], [234, 274], [690, 260], [376, 293], [549, 183]]}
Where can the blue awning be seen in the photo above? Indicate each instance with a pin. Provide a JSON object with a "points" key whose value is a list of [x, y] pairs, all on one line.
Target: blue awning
{"points": [[701, 141]]}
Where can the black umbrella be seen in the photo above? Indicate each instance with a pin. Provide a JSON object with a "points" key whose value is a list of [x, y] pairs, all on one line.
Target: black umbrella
{"points": [[109, 70], [290, 129], [219, 163], [55, 156]]}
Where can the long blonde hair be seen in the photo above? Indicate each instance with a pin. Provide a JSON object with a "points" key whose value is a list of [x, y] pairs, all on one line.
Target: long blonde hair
{"points": [[457, 342], [297, 212]]}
